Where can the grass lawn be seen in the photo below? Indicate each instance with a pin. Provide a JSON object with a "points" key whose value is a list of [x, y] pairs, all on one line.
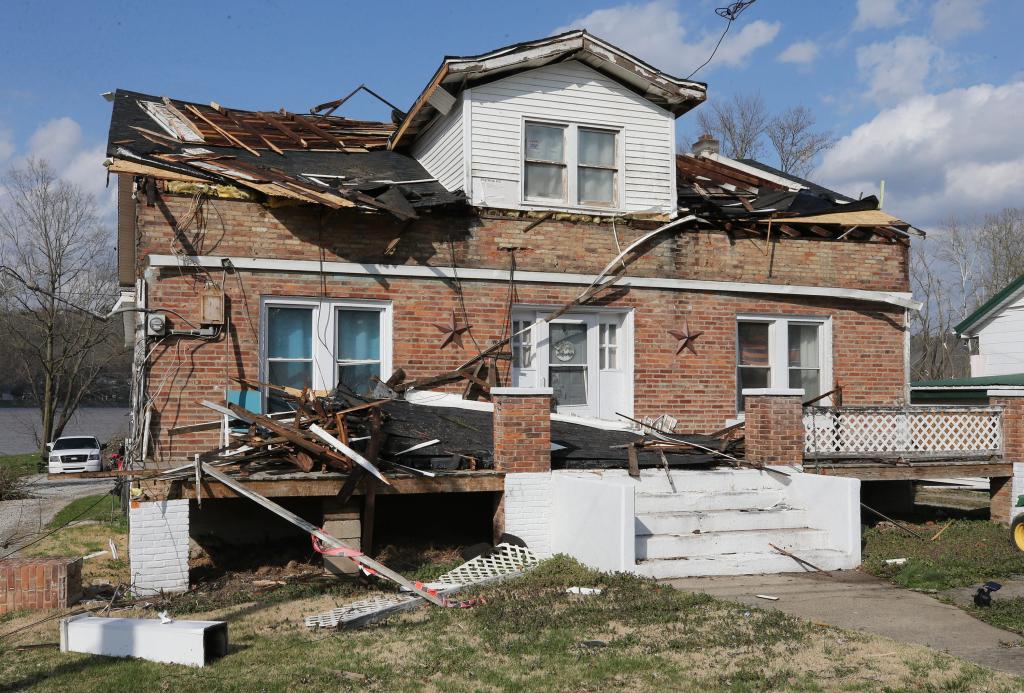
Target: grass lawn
{"points": [[529, 635], [968, 553], [21, 465]]}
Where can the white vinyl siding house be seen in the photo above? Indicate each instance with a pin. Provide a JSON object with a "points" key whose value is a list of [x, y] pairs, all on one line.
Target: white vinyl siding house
{"points": [[494, 118], [440, 149], [1001, 343]]}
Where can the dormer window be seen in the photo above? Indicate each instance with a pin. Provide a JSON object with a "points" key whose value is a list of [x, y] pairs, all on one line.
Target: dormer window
{"points": [[570, 165]]}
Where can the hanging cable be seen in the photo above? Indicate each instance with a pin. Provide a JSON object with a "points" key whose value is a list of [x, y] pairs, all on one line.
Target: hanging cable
{"points": [[729, 13]]}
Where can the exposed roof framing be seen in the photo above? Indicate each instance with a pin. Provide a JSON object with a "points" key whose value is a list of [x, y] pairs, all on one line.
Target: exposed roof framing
{"points": [[459, 72]]}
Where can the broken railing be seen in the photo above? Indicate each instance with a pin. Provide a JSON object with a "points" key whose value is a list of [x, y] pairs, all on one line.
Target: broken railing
{"points": [[921, 432]]}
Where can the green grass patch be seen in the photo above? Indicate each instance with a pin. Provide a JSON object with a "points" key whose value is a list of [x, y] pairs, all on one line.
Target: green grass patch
{"points": [[968, 553], [99, 508], [1007, 614], [21, 465]]}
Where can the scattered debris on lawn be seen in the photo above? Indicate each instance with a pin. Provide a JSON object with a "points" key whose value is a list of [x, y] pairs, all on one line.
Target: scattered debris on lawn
{"points": [[505, 561], [588, 591], [983, 597], [769, 597], [166, 640]]}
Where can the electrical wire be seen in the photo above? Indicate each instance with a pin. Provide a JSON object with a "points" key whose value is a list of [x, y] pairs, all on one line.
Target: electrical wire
{"points": [[54, 531], [729, 13]]}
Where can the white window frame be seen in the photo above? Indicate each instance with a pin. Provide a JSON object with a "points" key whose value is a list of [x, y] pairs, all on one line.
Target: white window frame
{"points": [[778, 350], [325, 312], [530, 374], [571, 189]]}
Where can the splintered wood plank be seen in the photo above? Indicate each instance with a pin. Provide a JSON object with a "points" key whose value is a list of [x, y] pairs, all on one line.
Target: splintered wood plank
{"points": [[242, 126], [272, 120], [224, 133], [303, 122]]}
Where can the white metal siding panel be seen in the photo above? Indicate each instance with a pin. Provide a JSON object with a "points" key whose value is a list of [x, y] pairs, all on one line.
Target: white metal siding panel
{"points": [[1001, 342], [570, 92], [440, 149]]}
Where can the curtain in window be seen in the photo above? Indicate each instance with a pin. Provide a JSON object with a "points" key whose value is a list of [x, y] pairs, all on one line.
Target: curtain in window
{"points": [[804, 355], [289, 350], [358, 348]]}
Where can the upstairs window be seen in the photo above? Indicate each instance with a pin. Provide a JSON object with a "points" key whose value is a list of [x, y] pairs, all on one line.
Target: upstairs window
{"points": [[572, 165]]}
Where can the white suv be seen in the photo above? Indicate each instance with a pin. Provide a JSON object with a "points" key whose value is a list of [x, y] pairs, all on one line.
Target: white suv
{"points": [[75, 454]]}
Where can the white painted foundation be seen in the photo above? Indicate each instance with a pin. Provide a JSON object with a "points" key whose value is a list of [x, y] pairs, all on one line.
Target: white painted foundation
{"points": [[158, 546]]}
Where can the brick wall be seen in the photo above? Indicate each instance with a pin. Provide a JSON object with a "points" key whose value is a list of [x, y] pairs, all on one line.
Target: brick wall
{"points": [[528, 509], [522, 429], [774, 429], [158, 546], [1003, 491], [867, 339], [39, 583]]}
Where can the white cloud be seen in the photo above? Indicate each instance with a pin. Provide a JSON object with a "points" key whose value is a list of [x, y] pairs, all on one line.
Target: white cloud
{"points": [[655, 32], [954, 152], [801, 53], [897, 69], [879, 14], [952, 18], [60, 143]]}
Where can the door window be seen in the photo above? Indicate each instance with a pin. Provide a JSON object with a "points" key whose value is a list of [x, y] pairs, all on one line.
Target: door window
{"points": [[568, 363]]}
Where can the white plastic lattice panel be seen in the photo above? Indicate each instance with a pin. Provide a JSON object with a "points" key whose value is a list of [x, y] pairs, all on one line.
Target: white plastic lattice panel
{"points": [[506, 561], [865, 430]]}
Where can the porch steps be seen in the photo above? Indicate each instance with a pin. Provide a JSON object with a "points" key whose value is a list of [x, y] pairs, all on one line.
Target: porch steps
{"points": [[721, 523]]}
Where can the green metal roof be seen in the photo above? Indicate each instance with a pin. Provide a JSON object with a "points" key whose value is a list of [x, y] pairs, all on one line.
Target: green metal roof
{"points": [[1010, 380], [988, 306]]}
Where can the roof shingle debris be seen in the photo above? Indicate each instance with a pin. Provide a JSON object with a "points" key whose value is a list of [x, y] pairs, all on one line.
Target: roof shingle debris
{"points": [[318, 159], [751, 199]]}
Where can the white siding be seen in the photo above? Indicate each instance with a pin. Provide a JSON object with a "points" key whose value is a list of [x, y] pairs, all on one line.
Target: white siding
{"points": [[573, 93], [1001, 344], [439, 149]]}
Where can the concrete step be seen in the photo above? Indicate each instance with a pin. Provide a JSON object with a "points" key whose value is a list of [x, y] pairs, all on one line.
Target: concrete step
{"points": [[685, 522], [710, 544], [706, 481], [646, 502], [753, 563]]}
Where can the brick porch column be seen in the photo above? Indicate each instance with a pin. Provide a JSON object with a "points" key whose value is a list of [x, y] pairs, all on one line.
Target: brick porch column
{"points": [[522, 449], [1003, 490], [774, 426]]}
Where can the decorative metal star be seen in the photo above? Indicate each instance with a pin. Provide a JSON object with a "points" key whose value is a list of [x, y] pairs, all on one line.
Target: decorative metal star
{"points": [[452, 332], [686, 338]]}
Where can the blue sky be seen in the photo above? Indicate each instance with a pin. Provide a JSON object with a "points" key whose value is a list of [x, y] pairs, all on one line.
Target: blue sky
{"points": [[925, 94]]}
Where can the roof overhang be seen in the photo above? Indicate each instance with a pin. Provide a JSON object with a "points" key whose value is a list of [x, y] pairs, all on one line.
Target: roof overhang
{"points": [[986, 312], [455, 74]]}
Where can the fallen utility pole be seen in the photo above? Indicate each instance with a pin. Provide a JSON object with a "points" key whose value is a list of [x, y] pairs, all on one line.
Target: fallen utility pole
{"points": [[354, 555]]}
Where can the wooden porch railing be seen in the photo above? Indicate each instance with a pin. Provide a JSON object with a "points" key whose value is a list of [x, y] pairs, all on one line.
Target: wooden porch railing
{"points": [[922, 432]]}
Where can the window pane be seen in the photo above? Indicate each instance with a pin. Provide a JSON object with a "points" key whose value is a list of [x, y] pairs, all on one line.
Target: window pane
{"points": [[522, 345], [289, 333], [807, 378], [358, 335], [568, 344], [545, 180], [359, 379], [597, 148], [597, 185], [803, 346], [290, 373], [545, 142], [753, 377], [753, 344], [569, 385]]}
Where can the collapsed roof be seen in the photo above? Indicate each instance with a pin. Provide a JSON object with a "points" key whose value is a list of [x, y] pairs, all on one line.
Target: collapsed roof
{"points": [[325, 160], [752, 199]]}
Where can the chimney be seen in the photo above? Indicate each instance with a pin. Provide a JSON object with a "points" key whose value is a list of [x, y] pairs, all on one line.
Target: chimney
{"points": [[705, 145]]}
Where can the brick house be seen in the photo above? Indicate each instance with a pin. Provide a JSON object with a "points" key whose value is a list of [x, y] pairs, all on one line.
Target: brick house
{"points": [[344, 250]]}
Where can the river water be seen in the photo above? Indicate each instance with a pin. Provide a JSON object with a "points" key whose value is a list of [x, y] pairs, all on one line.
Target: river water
{"points": [[19, 426]]}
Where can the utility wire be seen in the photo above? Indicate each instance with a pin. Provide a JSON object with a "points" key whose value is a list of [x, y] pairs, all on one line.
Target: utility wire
{"points": [[54, 531], [729, 13]]}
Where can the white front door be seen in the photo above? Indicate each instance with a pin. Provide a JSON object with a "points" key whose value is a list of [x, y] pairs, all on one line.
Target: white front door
{"points": [[582, 357]]}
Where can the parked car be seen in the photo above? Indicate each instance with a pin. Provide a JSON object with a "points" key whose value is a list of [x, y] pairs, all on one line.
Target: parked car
{"points": [[75, 454]]}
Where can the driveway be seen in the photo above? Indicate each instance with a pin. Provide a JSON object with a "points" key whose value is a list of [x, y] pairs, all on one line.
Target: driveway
{"points": [[23, 520], [857, 601]]}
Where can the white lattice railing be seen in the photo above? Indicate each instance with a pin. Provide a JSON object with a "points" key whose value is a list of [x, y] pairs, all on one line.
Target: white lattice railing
{"points": [[914, 431]]}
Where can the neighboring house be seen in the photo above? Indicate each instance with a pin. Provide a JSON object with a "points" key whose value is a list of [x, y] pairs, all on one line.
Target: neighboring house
{"points": [[343, 250]]}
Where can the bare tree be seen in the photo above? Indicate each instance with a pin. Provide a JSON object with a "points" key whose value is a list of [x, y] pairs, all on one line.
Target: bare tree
{"points": [[740, 124], [795, 141], [1001, 242], [54, 253]]}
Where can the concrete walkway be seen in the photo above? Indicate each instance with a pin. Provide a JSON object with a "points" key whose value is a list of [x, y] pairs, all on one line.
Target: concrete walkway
{"points": [[857, 601]]}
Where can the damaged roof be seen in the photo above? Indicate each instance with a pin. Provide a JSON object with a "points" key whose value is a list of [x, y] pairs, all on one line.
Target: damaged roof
{"points": [[747, 197], [457, 73], [326, 160]]}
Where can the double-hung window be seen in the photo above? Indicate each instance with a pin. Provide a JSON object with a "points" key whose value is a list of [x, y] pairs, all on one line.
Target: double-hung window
{"points": [[571, 165], [324, 343], [783, 352]]}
